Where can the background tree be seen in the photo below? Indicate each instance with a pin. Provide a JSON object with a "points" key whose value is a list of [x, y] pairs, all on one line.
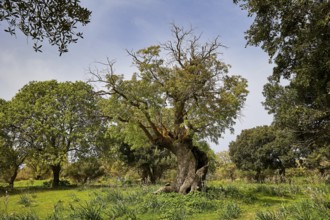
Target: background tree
{"points": [[85, 169], [225, 168], [262, 148], [39, 168], [180, 95], [296, 36], [64, 118], [14, 146], [150, 162], [54, 20]]}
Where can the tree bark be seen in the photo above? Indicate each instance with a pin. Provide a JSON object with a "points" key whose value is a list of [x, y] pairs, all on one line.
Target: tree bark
{"points": [[13, 178], [56, 175], [192, 167]]}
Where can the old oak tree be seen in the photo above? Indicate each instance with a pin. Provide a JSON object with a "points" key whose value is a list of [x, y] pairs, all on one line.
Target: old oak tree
{"points": [[181, 95]]}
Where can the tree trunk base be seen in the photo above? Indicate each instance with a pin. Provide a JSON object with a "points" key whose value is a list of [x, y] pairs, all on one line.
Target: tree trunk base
{"points": [[190, 185], [165, 189]]}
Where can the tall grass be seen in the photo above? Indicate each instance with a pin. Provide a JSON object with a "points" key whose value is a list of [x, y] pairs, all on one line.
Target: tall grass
{"points": [[231, 211], [226, 201]]}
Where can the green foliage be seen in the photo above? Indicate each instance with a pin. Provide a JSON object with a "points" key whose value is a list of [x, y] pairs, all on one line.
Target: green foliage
{"points": [[180, 95], [231, 211], [27, 216], [113, 196], [120, 210], [176, 206], [176, 214], [49, 183], [89, 210], [85, 169], [57, 212], [262, 148], [36, 168], [305, 210], [52, 119], [13, 149], [225, 168], [267, 215], [228, 201], [271, 190], [295, 34], [52, 20], [150, 161], [25, 200]]}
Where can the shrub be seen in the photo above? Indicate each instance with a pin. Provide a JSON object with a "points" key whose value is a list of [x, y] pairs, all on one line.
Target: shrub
{"points": [[120, 210], [89, 210], [84, 170], [175, 214], [25, 200], [268, 215], [57, 212], [151, 203], [231, 211], [113, 196]]}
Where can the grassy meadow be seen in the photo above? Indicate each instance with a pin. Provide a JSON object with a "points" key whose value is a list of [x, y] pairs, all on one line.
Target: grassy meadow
{"points": [[220, 200]]}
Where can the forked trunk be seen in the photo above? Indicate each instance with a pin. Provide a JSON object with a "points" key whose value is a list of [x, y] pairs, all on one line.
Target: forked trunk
{"points": [[191, 170]]}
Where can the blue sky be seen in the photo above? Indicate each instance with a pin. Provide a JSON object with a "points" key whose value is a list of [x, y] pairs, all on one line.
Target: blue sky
{"points": [[117, 25]]}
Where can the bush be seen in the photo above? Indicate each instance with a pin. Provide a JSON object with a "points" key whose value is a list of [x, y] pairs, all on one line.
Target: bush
{"points": [[231, 211], [57, 212], [89, 210], [268, 215], [25, 200], [84, 170], [120, 210]]}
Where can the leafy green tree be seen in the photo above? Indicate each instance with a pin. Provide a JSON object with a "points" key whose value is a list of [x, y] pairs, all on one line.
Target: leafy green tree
{"points": [[85, 169], [39, 168], [296, 36], [262, 148], [180, 95], [150, 162], [225, 168], [63, 118], [14, 147], [11, 160], [55, 20]]}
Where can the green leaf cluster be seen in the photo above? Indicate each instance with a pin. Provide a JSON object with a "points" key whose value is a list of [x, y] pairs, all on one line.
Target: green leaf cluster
{"points": [[181, 91], [52, 121], [262, 148], [54, 20], [296, 36]]}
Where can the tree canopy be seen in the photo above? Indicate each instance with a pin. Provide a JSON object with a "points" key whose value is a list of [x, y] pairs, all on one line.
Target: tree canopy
{"points": [[14, 147], [262, 148], [296, 36], [180, 95], [55, 20], [59, 120]]}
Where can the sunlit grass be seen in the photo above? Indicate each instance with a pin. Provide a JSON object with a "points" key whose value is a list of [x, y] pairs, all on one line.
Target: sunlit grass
{"points": [[235, 200]]}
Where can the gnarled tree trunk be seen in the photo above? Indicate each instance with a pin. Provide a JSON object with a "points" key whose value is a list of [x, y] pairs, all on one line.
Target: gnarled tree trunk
{"points": [[192, 167]]}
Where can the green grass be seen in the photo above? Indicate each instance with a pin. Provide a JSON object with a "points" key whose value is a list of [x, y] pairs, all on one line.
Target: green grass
{"points": [[221, 201]]}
